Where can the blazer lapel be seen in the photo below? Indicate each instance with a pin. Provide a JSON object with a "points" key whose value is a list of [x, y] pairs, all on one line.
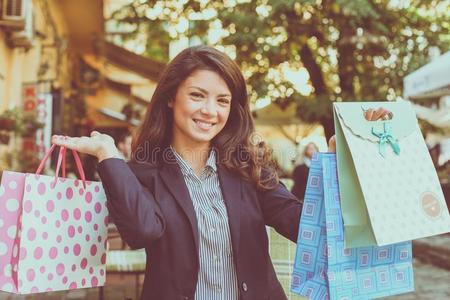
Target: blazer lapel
{"points": [[231, 191], [173, 178]]}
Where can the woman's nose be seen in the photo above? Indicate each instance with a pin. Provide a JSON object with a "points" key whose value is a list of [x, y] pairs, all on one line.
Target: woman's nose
{"points": [[209, 108]]}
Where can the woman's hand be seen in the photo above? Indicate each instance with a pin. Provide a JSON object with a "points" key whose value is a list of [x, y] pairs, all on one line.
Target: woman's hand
{"points": [[99, 145], [370, 115]]}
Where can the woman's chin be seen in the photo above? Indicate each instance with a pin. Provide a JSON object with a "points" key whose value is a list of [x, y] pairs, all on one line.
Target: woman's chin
{"points": [[202, 137]]}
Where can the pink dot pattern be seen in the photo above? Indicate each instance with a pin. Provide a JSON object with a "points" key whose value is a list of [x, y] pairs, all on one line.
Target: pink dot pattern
{"points": [[50, 206], [63, 234], [53, 252], [88, 197], [77, 249], [77, 213], [88, 216], [38, 252]]}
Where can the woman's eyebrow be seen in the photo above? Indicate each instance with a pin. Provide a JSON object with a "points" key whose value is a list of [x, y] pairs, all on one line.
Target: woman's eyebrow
{"points": [[206, 92]]}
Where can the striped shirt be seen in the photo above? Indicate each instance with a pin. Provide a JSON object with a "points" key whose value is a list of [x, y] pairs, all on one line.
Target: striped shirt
{"points": [[217, 278]]}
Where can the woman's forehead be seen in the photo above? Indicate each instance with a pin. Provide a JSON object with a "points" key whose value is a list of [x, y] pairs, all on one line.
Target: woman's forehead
{"points": [[206, 80]]}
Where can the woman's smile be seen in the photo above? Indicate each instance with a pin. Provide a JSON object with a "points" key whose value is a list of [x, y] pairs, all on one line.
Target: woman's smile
{"points": [[204, 125]]}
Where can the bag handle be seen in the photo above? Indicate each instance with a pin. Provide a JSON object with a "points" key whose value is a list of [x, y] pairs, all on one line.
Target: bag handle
{"points": [[62, 163]]}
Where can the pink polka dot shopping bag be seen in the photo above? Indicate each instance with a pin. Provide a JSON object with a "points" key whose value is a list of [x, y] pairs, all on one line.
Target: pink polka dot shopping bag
{"points": [[53, 231]]}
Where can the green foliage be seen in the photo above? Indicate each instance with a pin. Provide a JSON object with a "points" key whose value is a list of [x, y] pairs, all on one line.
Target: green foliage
{"points": [[24, 161], [352, 49], [153, 29], [15, 121]]}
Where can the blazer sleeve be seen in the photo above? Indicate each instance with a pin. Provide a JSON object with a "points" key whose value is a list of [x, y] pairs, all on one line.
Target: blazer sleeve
{"points": [[300, 177], [132, 206], [281, 210]]}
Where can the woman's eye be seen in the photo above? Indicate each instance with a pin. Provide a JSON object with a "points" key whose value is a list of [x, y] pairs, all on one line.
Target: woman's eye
{"points": [[196, 95], [224, 101]]}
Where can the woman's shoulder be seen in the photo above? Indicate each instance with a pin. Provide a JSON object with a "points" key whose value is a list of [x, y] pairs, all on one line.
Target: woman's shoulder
{"points": [[142, 168], [268, 176]]}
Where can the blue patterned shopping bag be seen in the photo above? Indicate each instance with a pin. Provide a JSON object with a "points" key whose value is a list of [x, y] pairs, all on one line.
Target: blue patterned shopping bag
{"points": [[324, 268]]}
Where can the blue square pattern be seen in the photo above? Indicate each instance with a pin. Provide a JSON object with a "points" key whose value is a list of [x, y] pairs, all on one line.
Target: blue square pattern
{"points": [[346, 255], [401, 276], [313, 290], [383, 255], [306, 257], [334, 226], [348, 275], [323, 268], [334, 278], [383, 274], [364, 257], [342, 295], [310, 234], [331, 252], [367, 282], [403, 252], [320, 273], [312, 210]]}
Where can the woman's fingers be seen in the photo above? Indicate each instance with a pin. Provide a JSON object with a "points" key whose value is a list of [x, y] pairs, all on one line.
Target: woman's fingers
{"points": [[332, 144], [380, 113], [79, 144], [377, 114], [368, 114], [68, 142], [386, 114]]}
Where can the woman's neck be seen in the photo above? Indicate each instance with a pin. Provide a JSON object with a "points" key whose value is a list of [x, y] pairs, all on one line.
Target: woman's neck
{"points": [[195, 155]]}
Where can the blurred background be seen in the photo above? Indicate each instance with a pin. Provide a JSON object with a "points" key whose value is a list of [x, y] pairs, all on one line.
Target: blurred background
{"points": [[69, 67]]}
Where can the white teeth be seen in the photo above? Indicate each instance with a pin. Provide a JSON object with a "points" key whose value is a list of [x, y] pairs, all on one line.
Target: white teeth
{"points": [[203, 125]]}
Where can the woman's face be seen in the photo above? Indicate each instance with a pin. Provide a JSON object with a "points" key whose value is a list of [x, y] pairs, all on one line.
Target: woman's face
{"points": [[200, 109]]}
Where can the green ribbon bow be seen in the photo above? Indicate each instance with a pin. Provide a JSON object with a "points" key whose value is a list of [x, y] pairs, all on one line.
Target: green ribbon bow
{"points": [[386, 137]]}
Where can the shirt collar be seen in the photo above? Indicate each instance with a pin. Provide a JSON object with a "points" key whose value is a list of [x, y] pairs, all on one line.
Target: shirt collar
{"points": [[211, 161], [187, 169]]}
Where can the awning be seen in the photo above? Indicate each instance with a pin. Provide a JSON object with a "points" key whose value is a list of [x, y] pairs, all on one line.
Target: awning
{"points": [[436, 117], [108, 118], [119, 116], [431, 80], [141, 87], [84, 20]]}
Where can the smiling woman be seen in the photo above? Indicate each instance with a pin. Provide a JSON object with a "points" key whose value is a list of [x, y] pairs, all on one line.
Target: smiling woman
{"points": [[198, 192]]}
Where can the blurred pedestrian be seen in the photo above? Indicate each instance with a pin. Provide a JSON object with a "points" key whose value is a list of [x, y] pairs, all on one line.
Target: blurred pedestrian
{"points": [[301, 171], [124, 145]]}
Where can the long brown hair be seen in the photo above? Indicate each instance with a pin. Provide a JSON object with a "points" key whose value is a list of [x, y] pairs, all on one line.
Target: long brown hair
{"points": [[236, 146]]}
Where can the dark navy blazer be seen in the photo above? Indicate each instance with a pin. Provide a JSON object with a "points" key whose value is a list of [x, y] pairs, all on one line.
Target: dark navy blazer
{"points": [[152, 209]]}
